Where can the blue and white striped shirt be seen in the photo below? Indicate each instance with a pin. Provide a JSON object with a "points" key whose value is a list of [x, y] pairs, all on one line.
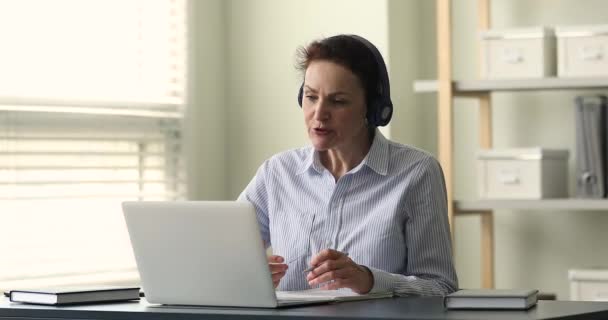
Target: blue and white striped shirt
{"points": [[389, 213]]}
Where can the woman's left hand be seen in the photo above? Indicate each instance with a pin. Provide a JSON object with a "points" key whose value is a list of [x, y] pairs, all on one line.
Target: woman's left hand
{"points": [[336, 270]]}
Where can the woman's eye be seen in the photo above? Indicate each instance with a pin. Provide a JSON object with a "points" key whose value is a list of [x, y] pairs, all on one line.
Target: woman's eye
{"points": [[312, 98], [339, 101]]}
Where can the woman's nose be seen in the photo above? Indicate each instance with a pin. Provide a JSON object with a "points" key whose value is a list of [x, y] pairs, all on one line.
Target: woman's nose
{"points": [[321, 110]]}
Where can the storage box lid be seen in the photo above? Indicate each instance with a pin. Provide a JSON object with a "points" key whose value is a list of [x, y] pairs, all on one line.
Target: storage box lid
{"points": [[588, 274], [581, 31], [517, 33], [522, 154]]}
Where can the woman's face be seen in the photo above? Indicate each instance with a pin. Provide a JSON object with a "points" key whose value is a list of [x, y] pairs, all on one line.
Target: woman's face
{"points": [[334, 107]]}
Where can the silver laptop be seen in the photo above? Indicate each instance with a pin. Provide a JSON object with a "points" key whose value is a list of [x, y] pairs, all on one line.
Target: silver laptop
{"points": [[202, 253]]}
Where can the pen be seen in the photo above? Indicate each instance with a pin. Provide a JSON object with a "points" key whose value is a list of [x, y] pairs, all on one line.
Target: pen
{"points": [[309, 269]]}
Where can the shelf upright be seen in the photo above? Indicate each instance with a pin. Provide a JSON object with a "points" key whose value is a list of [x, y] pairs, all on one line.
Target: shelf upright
{"points": [[485, 142], [445, 97]]}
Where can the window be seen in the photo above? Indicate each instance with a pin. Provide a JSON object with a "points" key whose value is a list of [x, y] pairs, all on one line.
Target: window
{"points": [[91, 100]]}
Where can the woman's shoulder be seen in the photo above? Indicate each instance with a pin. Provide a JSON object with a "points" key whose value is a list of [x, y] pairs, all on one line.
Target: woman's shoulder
{"points": [[410, 154], [412, 162], [292, 158]]}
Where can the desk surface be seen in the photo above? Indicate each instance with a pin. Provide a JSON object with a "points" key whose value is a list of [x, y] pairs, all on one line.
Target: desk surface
{"points": [[393, 308]]}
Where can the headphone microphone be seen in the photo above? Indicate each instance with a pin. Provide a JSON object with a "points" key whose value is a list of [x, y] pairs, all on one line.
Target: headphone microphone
{"points": [[380, 108]]}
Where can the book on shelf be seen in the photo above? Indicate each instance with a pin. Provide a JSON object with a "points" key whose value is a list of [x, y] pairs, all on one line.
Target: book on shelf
{"points": [[517, 299], [74, 295]]}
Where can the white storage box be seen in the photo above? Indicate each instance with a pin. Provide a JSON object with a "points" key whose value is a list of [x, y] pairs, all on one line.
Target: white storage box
{"points": [[582, 51], [529, 173], [588, 284], [518, 53]]}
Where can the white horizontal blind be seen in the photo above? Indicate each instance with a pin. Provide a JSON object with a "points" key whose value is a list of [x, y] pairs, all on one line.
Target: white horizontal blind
{"points": [[63, 174]]}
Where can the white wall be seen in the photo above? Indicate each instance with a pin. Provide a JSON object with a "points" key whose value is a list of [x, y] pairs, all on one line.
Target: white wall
{"points": [[404, 54], [205, 125]]}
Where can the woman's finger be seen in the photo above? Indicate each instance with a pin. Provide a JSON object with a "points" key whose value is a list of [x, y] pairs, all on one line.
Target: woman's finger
{"points": [[332, 275], [337, 284], [277, 267], [326, 255], [277, 276], [275, 259], [328, 266]]}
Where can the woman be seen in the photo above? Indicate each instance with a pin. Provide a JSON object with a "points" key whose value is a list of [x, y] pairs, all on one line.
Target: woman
{"points": [[355, 209]]}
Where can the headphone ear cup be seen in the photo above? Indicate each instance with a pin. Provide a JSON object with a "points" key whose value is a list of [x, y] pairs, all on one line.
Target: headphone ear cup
{"points": [[385, 113], [300, 95], [381, 113]]}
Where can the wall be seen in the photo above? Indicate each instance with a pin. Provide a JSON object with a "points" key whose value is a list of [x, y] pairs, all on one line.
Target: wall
{"points": [[205, 123], [407, 45]]}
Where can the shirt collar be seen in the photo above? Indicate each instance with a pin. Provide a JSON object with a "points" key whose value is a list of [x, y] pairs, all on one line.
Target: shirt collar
{"points": [[376, 159], [312, 161]]}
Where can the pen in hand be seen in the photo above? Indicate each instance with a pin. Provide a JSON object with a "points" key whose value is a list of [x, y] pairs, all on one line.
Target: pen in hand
{"points": [[309, 269]]}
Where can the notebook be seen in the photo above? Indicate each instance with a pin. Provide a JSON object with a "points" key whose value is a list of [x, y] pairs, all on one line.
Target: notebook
{"points": [[519, 299], [339, 295], [74, 295], [207, 253]]}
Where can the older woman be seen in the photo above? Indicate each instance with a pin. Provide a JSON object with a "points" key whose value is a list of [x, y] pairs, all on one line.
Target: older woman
{"points": [[353, 210]]}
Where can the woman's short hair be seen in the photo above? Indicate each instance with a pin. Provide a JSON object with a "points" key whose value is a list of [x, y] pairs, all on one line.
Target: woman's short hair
{"points": [[347, 52]]}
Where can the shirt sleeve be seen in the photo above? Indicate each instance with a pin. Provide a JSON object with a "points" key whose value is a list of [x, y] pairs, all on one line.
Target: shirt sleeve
{"points": [[430, 268], [256, 193]]}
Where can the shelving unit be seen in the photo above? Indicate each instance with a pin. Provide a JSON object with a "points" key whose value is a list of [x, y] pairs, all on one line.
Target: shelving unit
{"points": [[446, 89], [467, 87], [467, 206]]}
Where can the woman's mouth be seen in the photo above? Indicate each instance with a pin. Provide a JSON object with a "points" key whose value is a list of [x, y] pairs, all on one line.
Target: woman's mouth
{"points": [[321, 131]]}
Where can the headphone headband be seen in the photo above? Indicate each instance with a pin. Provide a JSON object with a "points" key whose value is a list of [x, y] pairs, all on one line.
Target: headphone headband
{"points": [[380, 108]]}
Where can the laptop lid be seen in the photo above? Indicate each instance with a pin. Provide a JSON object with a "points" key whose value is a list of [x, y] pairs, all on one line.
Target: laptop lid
{"points": [[200, 253]]}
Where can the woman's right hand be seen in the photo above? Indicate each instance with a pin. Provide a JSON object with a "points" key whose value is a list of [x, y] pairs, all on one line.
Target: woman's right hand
{"points": [[277, 268]]}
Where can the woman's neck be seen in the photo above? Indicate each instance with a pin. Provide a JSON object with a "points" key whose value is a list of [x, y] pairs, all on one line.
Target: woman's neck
{"points": [[342, 159]]}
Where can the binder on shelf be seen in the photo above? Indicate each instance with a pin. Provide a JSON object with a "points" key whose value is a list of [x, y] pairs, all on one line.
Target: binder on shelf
{"points": [[591, 142]]}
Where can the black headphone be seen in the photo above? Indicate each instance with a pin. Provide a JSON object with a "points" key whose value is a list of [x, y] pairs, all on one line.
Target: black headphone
{"points": [[380, 108]]}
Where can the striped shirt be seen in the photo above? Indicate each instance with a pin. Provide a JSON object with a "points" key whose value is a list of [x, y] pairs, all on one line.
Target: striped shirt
{"points": [[388, 213]]}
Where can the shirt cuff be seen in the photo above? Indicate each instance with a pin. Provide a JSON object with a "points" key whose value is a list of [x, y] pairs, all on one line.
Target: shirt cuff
{"points": [[383, 281]]}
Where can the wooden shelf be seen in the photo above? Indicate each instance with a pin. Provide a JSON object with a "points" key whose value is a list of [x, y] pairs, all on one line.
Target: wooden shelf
{"points": [[485, 86], [446, 89], [465, 206]]}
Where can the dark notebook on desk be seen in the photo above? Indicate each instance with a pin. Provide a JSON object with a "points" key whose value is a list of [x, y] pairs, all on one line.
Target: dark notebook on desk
{"points": [[74, 295], [519, 299]]}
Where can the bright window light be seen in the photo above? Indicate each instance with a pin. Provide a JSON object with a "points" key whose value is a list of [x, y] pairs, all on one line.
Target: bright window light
{"points": [[91, 96]]}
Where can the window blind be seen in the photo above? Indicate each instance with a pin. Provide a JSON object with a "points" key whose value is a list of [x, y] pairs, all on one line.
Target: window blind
{"points": [[91, 99]]}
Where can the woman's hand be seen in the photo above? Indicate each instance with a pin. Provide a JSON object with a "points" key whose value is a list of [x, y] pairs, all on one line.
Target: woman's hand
{"points": [[277, 269], [336, 270]]}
